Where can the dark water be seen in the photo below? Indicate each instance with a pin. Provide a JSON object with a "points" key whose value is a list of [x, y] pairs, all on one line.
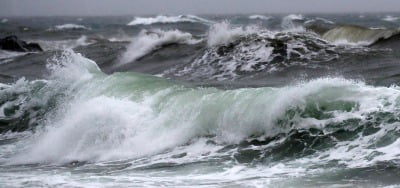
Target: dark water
{"points": [[202, 101]]}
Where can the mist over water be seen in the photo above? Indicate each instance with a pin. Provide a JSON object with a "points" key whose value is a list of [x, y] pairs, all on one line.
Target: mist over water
{"points": [[184, 100]]}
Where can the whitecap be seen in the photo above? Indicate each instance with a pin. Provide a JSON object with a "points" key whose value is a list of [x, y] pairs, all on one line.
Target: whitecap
{"points": [[167, 19]]}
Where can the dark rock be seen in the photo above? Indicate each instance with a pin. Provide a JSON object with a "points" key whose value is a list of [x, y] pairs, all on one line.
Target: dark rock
{"points": [[12, 43], [34, 47]]}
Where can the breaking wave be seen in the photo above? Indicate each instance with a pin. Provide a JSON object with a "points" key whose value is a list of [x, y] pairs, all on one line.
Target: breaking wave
{"points": [[81, 114], [148, 41]]}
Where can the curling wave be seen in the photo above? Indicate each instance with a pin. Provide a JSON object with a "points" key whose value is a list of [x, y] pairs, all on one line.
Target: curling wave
{"points": [[81, 114]]}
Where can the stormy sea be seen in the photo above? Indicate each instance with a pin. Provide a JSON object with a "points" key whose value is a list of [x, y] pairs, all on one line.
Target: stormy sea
{"points": [[270, 100]]}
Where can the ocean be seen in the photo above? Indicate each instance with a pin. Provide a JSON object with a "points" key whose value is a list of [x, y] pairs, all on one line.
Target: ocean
{"points": [[269, 100]]}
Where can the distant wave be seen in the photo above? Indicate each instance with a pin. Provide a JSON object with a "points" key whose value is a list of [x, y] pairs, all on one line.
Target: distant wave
{"points": [[390, 18], [147, 41], [259, 17], [167, 19], [295, 17], [4, 20], [69, 26]]}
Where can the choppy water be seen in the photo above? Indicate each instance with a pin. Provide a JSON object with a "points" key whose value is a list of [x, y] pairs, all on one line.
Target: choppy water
{"points": [[202, 101]]}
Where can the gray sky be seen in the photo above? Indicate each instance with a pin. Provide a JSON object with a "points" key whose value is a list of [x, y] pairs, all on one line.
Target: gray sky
{"points": [[138, 7]]}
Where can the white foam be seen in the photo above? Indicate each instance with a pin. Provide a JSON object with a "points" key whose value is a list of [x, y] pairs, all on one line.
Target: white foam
{"points": [[148, 41], [345, 42], [71, 67], [224, 33], [167, 19]]}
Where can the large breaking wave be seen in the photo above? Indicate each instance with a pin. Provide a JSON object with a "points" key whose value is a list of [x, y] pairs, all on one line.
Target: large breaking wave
{"points": [[81, 114]]}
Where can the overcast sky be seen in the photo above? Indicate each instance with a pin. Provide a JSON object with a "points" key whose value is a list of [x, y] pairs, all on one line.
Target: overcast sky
{"points": [[140, 7]]}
